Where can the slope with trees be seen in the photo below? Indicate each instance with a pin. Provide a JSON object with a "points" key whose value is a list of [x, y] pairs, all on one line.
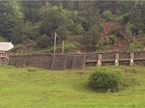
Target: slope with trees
{"points": [[37, 21]]}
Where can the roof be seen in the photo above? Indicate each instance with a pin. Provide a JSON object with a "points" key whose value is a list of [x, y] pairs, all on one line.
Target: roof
{"points": [[5, 46]]}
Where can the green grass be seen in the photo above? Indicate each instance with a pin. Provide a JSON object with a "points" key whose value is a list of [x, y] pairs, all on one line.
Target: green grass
{"points": [[31, 87]]}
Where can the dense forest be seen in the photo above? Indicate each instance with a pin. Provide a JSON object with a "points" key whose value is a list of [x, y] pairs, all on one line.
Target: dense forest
{"points": [[36, 22]]}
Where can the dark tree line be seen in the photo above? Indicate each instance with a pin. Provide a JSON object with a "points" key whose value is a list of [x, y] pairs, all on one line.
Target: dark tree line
{"points": [[39, 20]]}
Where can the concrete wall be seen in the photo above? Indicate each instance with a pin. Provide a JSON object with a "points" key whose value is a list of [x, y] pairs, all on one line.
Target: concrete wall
{"points": [[139, 55], [124, 54], [108, 55], [58, 62], [78, 62], [40, 61], [69, 61]]}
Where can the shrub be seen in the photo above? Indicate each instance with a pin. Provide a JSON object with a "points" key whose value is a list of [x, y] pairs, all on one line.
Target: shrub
{"points": [[122, 17], [78, 29], [128, 33], [113, 38], [130, 26], [108, 42], [98, 47], [43, 41], [2, 39], [108, 15], [114, 30], [136, 46], [104, 78]]}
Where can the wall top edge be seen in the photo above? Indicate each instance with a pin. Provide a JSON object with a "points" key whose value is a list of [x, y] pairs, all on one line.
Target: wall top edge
{"points": [[51, 54]]}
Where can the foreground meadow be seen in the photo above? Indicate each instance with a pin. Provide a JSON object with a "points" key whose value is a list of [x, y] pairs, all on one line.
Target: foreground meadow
{"points": [[31, 87]]}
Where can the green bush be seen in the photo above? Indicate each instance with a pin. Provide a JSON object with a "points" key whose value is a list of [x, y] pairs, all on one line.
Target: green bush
{"points": [[78, 29], [43, 41], [122, 17], [104, 78], [114, 30], [98, 47], [136, 46], [128, 33], [130, 26], [2, 39], [108, 42], [108, 15], [113, 38]]}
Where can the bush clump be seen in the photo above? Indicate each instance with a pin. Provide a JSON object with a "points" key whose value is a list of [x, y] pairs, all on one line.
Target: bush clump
{"points": [[112, 38], [104, 79], [114, 30], [43, 41]]}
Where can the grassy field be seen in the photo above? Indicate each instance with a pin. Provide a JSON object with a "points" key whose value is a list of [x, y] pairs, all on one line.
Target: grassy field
{"points": [[31, 87]]}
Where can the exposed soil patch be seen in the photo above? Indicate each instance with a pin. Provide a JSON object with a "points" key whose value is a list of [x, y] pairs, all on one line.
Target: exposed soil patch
{"points": [[120, 45], [107, 27]]}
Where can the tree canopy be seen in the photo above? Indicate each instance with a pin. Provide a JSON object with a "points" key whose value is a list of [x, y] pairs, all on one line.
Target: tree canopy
{"points": [[39, 20]]}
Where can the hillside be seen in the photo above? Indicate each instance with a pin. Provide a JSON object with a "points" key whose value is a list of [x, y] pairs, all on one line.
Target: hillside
{"points": [[120, 42], [74, 43], [101, 25]]}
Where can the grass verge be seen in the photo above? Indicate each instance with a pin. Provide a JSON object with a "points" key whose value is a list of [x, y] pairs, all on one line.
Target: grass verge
{"points": [[31, 87]]}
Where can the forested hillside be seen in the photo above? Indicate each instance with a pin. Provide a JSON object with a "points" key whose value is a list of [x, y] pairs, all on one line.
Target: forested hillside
{"points": [[93, 25]]}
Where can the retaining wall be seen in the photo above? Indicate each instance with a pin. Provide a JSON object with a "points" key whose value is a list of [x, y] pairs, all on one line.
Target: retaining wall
{"points": [[69, 61]]}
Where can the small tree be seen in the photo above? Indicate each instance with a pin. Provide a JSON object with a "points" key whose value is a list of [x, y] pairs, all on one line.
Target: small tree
{"points": [[104, 78], [43, 41], [113, 38], [108, 15], [114, 30]]}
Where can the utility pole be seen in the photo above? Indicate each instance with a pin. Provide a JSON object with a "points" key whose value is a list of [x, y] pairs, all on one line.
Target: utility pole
{"points": [[54, 42], [62, 47]]}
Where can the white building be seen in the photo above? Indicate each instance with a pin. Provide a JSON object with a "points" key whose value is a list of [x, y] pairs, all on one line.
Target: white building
{"points": [[4, 48]]}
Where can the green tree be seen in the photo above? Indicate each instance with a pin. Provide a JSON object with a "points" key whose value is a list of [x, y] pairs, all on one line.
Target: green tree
{"points": [[114, 30], [136, 19], [31, 10], [56, 20], [92, 36], [112, 38], [44, 41], [25, 30], [108, 15], [62, 32], [78, 29], [10, 16], [49, 22]]}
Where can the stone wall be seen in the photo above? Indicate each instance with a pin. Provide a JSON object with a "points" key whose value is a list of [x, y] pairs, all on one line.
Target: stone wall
{"points": [[40, 61], [139, 54], [73, 61], [108, 55], [69, 61], [58, 62], [78, 62], [124, 54], [92, 56]]}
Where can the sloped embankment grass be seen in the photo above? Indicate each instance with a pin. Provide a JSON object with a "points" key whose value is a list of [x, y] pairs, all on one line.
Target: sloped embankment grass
{"points": [[31, 87]]}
